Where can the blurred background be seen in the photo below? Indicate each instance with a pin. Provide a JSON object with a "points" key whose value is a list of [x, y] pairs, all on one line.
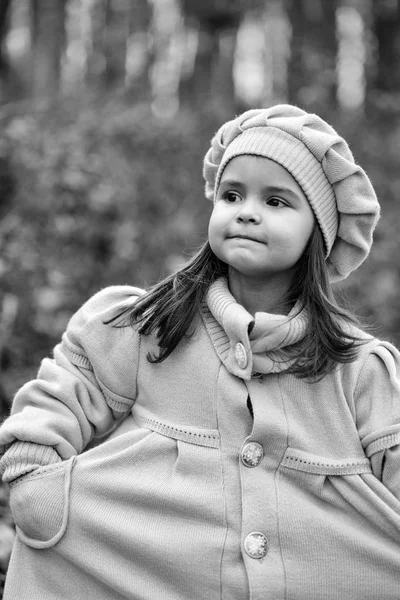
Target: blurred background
{"points": [[107, 108]]}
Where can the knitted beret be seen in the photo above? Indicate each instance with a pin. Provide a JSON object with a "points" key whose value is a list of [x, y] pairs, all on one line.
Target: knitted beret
{"points": [[338, 190]]}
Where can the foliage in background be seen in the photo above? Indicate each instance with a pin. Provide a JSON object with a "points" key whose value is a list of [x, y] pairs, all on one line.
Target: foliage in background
{"points": [[105, 194]]}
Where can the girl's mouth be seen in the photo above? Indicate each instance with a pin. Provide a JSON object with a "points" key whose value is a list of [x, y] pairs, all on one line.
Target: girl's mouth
{"points": [[245, 237]]}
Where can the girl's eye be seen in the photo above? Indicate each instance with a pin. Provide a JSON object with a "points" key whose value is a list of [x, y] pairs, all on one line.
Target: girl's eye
{"points": [[231, 197], [277, 202]]}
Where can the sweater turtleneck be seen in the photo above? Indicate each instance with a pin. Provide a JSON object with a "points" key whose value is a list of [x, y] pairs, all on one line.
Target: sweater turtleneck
{"points": [[250, 345]]}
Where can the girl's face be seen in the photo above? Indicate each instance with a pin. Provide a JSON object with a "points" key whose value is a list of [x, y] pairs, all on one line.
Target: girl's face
{"points": [[261, 221]]}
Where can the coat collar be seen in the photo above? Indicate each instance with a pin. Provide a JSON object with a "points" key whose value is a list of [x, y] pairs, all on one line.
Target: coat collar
{"points": [[248, 345]]}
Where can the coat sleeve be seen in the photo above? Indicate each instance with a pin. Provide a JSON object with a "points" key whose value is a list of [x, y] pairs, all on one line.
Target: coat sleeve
{"points": [[80, 393], [377, 399]]}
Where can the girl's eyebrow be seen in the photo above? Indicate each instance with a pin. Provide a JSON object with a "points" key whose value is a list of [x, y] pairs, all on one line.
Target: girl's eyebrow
{"points": [[232, 183], [281, 189]]}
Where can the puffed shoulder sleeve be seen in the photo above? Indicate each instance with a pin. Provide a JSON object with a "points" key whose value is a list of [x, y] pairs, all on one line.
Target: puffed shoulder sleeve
{"points": [[377, 398], [83, 389]]}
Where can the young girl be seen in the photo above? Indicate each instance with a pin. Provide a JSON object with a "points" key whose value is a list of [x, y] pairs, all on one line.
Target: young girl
{"points": [[261, 453]]}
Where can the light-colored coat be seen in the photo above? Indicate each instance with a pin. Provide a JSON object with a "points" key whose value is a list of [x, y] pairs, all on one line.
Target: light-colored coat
{"points": [[174, 505]]}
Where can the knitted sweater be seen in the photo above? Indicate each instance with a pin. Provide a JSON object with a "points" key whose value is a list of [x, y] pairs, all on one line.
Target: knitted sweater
{"points": [[195, 496]]}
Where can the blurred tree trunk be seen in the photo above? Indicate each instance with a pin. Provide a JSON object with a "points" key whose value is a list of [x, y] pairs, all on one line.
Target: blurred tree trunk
{"points": [[386, 28], [211, 81], [167, 57], [4, 26], [96, 62], [107, 47], [139, 51], [312, 64], [116, 33], [48, 44], [5, 66], [223, 84]]}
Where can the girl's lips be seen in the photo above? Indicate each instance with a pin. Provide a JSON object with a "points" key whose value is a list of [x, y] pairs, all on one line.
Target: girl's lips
{"points": [[245, 237]]}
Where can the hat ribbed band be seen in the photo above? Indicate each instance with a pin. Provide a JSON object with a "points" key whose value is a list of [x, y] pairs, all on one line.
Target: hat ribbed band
{"points": [[294, 156]]}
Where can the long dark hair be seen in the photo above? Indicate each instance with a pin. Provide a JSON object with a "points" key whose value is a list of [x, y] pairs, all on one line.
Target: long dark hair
{"points": [[330, 337], [168, 309]]}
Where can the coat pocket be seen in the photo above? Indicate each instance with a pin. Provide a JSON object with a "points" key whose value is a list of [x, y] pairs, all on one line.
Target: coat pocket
{"points": [[338, 528], [347, 486], [313, 473], [39, 504]]}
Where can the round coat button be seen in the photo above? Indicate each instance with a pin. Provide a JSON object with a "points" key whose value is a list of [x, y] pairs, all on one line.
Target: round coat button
{"points": [[252, 454], [240, 355], [256, 545]]}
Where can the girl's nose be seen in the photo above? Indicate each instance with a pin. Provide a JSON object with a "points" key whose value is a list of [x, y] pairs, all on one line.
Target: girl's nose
{"points": [[248, 213]]}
